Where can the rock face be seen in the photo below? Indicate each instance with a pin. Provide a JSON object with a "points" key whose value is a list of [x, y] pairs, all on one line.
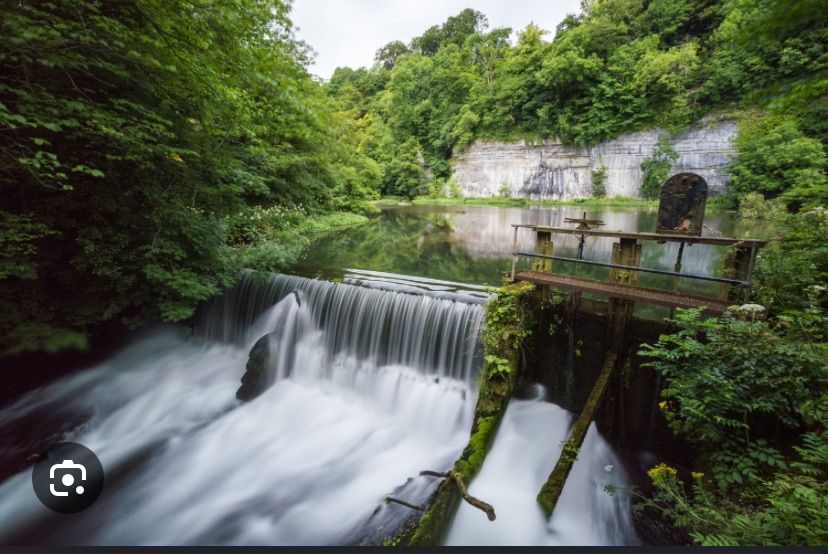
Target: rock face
{"points": [[552, 170], [255, 378]]}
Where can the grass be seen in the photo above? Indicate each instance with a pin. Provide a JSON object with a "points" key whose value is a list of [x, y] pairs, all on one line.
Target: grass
{"points": [[715, 203], [520, 202]]}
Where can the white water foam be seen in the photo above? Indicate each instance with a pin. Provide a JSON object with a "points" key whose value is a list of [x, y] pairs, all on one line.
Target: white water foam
{"points": [[369, 388]]}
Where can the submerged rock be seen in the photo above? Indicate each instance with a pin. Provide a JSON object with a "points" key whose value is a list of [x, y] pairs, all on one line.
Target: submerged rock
{"points": [[255, 378], [272, 357]]}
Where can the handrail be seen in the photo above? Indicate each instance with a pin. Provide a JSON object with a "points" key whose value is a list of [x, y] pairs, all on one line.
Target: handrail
{"points": [[636, 268], [659, 237]]}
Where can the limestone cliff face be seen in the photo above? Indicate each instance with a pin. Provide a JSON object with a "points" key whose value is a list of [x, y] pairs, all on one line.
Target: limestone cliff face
{"points": [[552, 170]]}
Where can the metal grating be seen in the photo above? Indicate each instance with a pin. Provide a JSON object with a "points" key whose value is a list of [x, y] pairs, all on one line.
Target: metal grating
{"points": [[625, 292]]}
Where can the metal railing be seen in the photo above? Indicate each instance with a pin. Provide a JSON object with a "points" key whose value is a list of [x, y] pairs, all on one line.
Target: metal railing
{"points": [[751, 244]]}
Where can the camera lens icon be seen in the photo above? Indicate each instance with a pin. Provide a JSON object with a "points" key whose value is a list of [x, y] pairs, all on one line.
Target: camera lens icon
{"points": [[67, 478], [65, 468]]}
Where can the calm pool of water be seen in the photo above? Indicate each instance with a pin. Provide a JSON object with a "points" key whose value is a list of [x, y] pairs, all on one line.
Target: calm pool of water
{"points": [[473, 244]]}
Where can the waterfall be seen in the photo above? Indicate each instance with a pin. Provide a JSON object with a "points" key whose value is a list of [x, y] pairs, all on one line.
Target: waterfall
{"points": [[368, 387], [524, 453], [429, 334]]}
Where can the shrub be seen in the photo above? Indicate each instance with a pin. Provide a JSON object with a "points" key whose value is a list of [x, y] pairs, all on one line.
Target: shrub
{"points": [[790, 274], [599, 181], [781, 162], [750, 397], [453, 187], [656, 169], [734, 389], [754, 206]]}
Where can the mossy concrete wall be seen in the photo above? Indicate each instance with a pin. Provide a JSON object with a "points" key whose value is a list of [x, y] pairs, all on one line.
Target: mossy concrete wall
{"points": [[508, 322]]}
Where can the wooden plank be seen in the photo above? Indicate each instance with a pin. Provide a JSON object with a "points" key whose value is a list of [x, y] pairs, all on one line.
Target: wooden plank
{"points": [[658, 237], [551, 490], [626, 292]]}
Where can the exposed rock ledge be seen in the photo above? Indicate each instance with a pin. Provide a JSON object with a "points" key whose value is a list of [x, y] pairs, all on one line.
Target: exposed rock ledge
{"points": [[551, 170]]}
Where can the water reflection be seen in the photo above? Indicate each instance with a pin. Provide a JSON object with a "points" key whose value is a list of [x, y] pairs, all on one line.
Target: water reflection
{"points": [[473, 244]]}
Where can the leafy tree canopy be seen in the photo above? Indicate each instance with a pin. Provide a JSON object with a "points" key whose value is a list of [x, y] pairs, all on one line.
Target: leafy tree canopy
{"points": [[132, 135]]}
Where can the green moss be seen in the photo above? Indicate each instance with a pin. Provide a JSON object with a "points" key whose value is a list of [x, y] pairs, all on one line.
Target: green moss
{"points": [[507, 323]]}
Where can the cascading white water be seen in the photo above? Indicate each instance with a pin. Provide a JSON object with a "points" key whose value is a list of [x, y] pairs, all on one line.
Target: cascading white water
{"points": [[524, 452], [386, 327], [369, 388]]}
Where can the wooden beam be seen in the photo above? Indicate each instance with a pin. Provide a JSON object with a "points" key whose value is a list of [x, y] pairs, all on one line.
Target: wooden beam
{"points": [[627, 292], [544, 247], [551, 490]]}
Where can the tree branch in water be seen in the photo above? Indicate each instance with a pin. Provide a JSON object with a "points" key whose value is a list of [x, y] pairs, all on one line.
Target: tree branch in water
{"points": [[476, 502]]}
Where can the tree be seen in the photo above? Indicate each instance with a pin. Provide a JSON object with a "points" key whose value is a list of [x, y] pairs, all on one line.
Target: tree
{"points": [[132, 135], [781, 161], [405, 172], [455, 30], [388, 54]]}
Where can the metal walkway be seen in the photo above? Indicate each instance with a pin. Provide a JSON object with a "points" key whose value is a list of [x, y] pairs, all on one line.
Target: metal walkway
{"points": [[625, 292]]}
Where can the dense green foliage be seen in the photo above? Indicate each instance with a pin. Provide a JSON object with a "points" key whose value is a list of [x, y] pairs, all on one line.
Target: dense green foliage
{"points": [[751, 396], [138, 139], [656, 169], [738, 387], [617, 66], [777, 160]]}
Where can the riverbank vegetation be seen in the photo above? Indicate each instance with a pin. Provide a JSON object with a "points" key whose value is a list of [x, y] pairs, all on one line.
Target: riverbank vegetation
{"points": [[750, 395], [617, 66], [148, 149]]}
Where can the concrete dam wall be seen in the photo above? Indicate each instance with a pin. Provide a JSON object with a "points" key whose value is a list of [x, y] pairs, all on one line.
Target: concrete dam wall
{"points": [[552, 170]]}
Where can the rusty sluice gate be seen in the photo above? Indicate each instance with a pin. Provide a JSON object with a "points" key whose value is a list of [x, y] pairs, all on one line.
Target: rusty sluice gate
{"points": [[680, 219]]}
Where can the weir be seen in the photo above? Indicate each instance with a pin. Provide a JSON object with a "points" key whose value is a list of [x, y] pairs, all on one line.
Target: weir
{"points": [[367, 388], [383, 325], [680, 220]]}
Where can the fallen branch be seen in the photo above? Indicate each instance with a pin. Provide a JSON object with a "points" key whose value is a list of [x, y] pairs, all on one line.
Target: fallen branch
{"points": [[476, 502]]}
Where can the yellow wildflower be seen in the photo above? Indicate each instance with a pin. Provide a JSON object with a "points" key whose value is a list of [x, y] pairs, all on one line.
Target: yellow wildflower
{"points": [[697, 475], [662, 405], [175, 157], [658, 472]]}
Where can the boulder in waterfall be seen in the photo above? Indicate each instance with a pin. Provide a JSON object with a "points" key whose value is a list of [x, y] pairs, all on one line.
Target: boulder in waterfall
{"points": [[255, 379], [273, 356]]}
